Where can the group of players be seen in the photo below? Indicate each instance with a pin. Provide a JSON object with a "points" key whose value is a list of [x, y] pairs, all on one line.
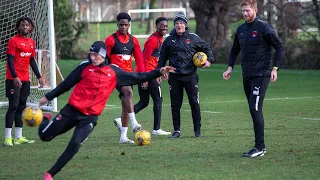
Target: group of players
{"points": [[109, 66]]}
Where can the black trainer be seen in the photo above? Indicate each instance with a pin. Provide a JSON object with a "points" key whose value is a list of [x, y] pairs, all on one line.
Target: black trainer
{"points": [[254, 152], [263, 149], [175, 134], [198, 133]]}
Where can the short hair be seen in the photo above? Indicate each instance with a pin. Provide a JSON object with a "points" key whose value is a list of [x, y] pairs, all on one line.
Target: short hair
{"points": [[252, 3], [159, 19], [29, 20], [123, 16]]}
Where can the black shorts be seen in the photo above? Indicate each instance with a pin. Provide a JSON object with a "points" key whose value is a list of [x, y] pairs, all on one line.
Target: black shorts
{"points": [[24, 90], [119, 87]]}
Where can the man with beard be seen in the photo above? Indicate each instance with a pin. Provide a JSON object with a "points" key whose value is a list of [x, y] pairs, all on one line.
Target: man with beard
{"points": [[20, 54], [179, 49], [120, 47], [255, 40], [151, 55]]}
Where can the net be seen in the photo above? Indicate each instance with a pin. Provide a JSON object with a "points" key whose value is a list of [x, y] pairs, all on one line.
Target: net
{"points": [[10, 11]]}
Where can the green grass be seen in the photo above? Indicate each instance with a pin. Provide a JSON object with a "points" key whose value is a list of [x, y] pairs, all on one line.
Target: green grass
{"points": [[292, 123]]}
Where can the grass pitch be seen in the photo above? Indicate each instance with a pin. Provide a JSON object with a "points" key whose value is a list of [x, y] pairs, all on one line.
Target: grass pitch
{"points": [[292, 123]]}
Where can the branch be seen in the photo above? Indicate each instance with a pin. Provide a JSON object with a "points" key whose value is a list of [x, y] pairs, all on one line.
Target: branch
{"points": [[312, 36]]}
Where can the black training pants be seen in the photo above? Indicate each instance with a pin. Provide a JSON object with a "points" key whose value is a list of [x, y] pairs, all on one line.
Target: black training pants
{"points": [[154, 90], [17, 97], [190, 83], [68, 118], [255, 89]]}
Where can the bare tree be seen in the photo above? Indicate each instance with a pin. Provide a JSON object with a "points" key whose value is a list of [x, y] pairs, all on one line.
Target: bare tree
{"points": [[317, 13], [213, 19], [151, 19], [142, 18]]}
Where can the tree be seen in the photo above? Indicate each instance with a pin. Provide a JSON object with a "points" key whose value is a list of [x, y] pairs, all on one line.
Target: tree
{"points": [[317, 14], [213, 19], [151, 20], [67, 29]]}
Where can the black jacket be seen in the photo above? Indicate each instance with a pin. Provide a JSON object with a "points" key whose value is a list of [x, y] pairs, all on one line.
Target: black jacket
{"points": [[179, 50], [255, 40]]}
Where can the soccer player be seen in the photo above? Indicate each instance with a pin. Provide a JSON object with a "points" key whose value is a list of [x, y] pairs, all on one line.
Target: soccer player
{"points": [[120, 47], [151, 53], [20, 54], [92, 82], [255, 40], [179, 49]]}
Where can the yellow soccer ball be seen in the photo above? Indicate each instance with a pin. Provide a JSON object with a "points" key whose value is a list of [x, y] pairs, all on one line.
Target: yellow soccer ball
{"points": [[143, 138], [199, 59], [32, 116]]}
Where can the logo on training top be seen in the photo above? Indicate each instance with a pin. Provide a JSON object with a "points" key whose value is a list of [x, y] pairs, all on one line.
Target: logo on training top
{"points": [[254, 33], [91, 70], [11, 91], [25, 54], [188, 41], [125, 49]]}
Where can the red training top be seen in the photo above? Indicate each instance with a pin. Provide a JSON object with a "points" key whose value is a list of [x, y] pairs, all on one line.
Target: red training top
{"points": [[151, 51], [22, 49]]}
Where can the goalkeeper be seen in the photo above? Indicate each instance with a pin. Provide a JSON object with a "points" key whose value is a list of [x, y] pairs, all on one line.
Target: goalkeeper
{"points": [[93, 82]]}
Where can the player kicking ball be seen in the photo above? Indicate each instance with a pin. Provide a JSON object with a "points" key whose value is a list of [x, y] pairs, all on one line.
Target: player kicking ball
{"points": [[92, 82]]}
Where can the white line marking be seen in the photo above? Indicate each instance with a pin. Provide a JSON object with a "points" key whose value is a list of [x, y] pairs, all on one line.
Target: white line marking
{"points": [[233, 101], [313, 119], [212, 112]]}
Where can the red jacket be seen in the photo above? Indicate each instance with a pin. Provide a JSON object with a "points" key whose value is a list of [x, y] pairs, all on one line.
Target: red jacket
{"points": [[150, 51], [94, 84]]}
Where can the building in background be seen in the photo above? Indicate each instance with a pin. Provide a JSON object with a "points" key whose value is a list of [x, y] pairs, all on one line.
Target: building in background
{"points": [[107, 10]]}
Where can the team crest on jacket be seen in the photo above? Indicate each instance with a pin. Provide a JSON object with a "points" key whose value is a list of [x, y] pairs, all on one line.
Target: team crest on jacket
{"points": [[11, 91], [254, 33], [188, 41], [58, 117]]}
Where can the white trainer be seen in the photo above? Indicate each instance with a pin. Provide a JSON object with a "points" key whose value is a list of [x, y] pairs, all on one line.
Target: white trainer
{"points": [[126, 141], [160, 132], [136, 128], [117, 122]]}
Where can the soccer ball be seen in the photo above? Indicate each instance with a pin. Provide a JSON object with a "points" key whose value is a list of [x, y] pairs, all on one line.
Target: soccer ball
{"points": [[32, 116], [199, 59], [143, 138]]}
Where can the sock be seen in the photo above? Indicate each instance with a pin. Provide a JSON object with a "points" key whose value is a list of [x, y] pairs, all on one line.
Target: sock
{"points": [[18, 132], [8, 133], [124, 131], [133, 119]]}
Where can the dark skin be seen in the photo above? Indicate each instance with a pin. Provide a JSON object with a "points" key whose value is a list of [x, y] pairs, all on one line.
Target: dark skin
{"points": [[162, 28], [25, 29], [126, 99]]}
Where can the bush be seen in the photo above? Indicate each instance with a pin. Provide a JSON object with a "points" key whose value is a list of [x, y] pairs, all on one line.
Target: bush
{"points": [[302, 54]]}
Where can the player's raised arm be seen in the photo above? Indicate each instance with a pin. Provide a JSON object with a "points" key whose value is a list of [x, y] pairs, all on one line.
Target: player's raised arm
{"points": [[131, 78]]}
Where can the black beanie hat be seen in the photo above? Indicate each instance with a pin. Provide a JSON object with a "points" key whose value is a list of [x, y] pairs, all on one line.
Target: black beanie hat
{"points": [[99, 47], [180, 17]]}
